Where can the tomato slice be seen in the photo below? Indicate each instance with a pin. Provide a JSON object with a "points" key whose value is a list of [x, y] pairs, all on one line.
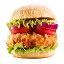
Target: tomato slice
{"points": [[43, 30], [21, 29]]}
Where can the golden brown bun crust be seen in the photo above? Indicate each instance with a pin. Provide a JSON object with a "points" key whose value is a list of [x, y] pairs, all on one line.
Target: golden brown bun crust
{"points": [[34, 55], [32, 12]]}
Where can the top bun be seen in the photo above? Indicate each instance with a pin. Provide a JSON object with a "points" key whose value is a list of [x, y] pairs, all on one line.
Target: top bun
{"points": [[32, 12]]}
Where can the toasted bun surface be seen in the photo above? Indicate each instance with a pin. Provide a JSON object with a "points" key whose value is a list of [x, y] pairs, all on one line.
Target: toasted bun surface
{"points": [[32, 12], [34, 55]]}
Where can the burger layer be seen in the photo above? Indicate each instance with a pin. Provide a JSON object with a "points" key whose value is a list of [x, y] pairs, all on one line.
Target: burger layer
{"points": [[29, 43], [39, 26], [29, 22]]}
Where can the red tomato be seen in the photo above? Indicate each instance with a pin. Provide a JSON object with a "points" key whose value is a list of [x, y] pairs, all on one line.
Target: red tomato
{"points": [[21, 29], [43, 30]]}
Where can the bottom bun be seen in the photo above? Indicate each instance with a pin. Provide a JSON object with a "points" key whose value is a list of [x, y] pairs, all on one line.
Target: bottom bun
{"points": [[34, 55]]}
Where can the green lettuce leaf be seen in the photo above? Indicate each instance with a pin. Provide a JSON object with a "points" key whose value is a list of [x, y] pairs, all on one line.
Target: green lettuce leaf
{"points": [[18, 48], [10, 49], [27, 23]]}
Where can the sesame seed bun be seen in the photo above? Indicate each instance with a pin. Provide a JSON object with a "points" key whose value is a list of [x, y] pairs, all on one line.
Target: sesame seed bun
{"points": [[32, 12]]}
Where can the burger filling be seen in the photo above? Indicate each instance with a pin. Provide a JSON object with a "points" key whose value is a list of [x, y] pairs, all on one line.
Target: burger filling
{"points": [[32, 35], [39, 26], [28, 22], [31, 43]]}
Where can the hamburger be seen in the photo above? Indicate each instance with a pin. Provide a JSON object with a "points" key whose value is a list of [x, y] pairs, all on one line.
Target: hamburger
{"points": [[32, 32]]}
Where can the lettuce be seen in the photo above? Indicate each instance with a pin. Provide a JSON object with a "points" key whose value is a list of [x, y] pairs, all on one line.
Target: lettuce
{"points": [[27, 23], [10, 49], [18, 48]]}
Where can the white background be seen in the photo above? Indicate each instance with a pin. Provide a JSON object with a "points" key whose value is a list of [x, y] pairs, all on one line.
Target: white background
{"points": [[6, 9]]}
